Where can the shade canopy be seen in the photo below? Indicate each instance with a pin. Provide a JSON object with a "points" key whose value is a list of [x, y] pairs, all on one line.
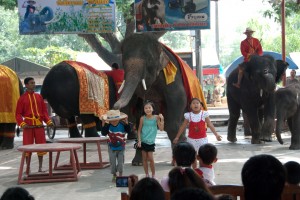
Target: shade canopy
{"points": [[275, 55]]}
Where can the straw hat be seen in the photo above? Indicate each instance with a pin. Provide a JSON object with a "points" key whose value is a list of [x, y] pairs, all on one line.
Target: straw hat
{"points": [[112, 115], [249, 30]]}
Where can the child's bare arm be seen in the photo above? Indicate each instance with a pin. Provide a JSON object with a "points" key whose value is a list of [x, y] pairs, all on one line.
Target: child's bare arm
{"points": [[212, 128], [160, 122], [181, 129]]}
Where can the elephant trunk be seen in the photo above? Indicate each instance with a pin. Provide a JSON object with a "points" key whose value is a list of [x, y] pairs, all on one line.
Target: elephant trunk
{"points": [[133, 77], [279, 125]]}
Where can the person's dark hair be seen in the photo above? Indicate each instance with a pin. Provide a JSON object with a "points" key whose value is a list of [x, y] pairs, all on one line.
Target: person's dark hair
{"points": [[191, 193], [16, 193], [115, 66], [196, 99], [150, 103], [292, 172], [263, 177], [185, 177], [184, 154], [208, 153], [147, 189], [26, 80]]}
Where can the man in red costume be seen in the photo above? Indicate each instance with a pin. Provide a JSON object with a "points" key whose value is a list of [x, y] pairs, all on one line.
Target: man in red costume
{"points": [[31, 112], [249, 46], [117, 75]]}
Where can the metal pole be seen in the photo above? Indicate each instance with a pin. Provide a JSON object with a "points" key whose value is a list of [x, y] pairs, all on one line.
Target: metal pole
{"points": [[283, 36], [198, 56], [217, 28]]}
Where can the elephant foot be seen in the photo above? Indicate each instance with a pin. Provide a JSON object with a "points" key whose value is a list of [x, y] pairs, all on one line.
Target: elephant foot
{"points": [[256, 141], [3, 147], [294, 147], [266, 139], [231, 139]]}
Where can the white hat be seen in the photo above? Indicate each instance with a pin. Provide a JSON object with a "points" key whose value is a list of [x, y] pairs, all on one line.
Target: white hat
{"points": [[112, 115], [249, 30]]}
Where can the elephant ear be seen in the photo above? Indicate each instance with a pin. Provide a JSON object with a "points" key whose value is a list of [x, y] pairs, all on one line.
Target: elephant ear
{"points": [[163, 59]]}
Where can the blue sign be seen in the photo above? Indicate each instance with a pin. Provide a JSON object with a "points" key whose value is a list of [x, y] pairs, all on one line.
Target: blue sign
{"points": [[162, 15]]}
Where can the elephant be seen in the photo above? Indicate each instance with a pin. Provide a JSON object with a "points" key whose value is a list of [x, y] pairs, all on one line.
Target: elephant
{"points": [[255, 96], [11, 89], [287, 108], [144, 60], [36, 23], [61, 89]]}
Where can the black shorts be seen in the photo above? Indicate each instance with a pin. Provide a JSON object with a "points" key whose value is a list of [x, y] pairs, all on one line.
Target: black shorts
{"points": [[147, 147]]}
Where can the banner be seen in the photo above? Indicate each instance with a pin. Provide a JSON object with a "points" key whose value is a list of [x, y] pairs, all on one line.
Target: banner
{"points": [[162, 15], [66, 16]]}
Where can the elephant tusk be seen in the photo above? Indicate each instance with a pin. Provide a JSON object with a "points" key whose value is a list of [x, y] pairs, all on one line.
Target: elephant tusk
{"points": [[261, 92], [144, 84], [52, 20], [121, 87]]}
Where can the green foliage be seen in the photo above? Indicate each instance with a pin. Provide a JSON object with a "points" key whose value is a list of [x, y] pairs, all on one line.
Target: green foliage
{"points": [[291, 8], [8, 4]]}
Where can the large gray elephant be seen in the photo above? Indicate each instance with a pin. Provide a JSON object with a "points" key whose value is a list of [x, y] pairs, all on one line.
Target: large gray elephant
{"points": [[144, 59], [36, 23], [255, 97], [11, 89], [61, 89], [287, 108]]}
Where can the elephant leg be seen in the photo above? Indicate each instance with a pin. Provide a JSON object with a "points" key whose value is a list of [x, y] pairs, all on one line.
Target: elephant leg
{"points": [[73, 130], [254, 125], [89, 125], [8, 136], [268, 125], [246, 125], [234, 114], [295, 131]]}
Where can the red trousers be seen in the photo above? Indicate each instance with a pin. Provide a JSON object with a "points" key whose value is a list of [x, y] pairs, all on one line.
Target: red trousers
{"points": [[34, 136]]}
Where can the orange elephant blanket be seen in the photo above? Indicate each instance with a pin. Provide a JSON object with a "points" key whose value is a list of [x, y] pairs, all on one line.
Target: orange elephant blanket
{"points": [[191, 82], [93, 89], [9, 94]]}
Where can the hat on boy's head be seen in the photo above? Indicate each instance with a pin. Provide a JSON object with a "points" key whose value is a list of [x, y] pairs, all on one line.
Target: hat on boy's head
{"points": [[112, 115], [249, 30]]}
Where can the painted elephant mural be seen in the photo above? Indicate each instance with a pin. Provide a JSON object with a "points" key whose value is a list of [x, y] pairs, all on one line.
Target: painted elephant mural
{"points": [[148, 65], [11, 89], [287, 108], [37, 22], [61, 88], [255, 97]]}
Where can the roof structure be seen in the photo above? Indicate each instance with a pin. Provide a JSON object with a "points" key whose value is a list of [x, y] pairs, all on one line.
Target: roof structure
{"points": [[25, 68]]}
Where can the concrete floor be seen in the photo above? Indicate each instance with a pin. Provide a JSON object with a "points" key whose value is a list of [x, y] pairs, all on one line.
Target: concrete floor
{"points": [[96, 184]]}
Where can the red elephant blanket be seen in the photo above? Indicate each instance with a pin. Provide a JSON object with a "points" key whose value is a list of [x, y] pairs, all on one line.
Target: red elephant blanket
{"points": [[93, 89], [9, 94], [191, 82]]}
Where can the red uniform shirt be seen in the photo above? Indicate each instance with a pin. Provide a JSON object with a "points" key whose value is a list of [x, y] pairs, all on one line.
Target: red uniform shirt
{"points": [[251, 46], [31, 110], [117, 75]]}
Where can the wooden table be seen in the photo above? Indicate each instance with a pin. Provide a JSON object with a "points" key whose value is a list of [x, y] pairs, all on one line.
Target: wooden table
{"points": [[68, 175], [85, 165]]}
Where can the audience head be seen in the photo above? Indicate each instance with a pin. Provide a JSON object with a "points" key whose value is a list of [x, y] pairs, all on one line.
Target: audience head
{"points": [[115, 66], [263, 177], [191, 193], [147, 189], [292, 172], [16, 193], [185, 177], [207, 153], [184, 154]]}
